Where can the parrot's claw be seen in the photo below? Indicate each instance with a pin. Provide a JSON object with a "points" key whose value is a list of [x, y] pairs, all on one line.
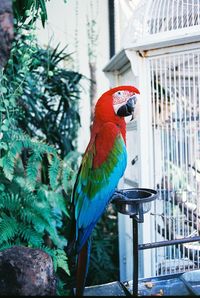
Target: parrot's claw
{"points": [[117, 194]]}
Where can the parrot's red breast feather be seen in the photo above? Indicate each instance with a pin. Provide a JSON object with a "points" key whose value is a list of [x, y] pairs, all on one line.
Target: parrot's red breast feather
{"points": [[104, 143]]}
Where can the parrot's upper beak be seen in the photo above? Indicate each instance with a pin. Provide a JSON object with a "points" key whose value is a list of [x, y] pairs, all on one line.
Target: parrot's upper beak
{"points": [[128, 108]]}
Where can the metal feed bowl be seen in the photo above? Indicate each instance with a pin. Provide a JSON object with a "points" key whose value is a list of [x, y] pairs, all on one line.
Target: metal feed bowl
{"points": [[134, 201]]}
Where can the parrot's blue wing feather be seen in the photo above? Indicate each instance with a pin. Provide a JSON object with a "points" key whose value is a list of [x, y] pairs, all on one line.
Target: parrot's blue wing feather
{"points": [[97, 180]]}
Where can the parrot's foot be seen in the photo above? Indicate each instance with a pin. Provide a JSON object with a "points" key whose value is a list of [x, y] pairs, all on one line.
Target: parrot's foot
{"points": [[118, 194]]}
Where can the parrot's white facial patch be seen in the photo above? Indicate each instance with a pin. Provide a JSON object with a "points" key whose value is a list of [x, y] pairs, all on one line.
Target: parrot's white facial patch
{"points": [[120, 98]]}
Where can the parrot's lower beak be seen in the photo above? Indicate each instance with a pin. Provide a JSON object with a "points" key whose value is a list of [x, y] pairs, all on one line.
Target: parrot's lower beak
{"points": [[128, 108]]}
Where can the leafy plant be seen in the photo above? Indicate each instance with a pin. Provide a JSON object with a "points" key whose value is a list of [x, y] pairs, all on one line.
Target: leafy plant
{"points": [[51, 100], [41, 95], [30, 11], [36, 177], [32, 212]]}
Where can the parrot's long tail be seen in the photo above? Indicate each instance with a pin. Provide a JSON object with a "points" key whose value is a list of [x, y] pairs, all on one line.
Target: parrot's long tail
{"points": [[82, 267]]}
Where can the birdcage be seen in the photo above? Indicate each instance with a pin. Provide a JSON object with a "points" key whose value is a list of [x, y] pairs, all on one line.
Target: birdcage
{"points": [[162, 44], [175, 124]]}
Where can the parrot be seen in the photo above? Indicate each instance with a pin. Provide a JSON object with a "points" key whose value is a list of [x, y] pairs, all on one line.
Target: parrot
{"points": [[103, 164]]}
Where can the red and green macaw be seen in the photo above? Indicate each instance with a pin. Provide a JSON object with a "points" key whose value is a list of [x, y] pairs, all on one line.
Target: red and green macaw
{"points": [[103, 164]]}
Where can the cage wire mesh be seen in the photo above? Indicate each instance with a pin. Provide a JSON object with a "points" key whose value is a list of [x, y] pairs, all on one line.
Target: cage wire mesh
{"points": [[175, 81], [168, 15], [150, 17]]}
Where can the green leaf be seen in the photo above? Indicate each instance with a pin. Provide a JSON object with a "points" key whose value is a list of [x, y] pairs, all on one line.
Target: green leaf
{"points": [[62, 261], [8, 228], [3, 89], [4, 127], [50, 73], [6, 102], [2, 187], [3, 145], [54, 171]]}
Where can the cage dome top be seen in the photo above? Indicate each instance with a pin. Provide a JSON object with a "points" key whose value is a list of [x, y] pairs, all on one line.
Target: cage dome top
{"points": [[153, 18]]}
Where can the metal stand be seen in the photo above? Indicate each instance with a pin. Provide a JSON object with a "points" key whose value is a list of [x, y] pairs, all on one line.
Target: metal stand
{"points": [[134, 202], [135, 220], [135, 255]]}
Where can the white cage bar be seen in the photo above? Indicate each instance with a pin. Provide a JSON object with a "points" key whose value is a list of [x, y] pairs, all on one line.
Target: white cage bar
{"points": [[175, 85], [168, 15]]}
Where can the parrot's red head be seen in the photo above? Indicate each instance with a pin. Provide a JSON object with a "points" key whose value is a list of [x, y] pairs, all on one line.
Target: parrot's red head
{"points": [[116, 103]]}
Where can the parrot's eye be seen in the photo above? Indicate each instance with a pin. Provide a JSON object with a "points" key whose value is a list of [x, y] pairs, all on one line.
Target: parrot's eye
{"points": [[119, 93]]}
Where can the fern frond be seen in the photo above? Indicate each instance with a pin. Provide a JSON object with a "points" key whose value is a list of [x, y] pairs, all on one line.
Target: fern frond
{"points": [[10, 201], [57, 202], [28, 216], [67, 174], [8, 167], [68, 170], [22, 184], [60, 261], [29, 235], [6, 246], [61, 288], [59, 258], [58, 240], [32, 169], [8, 161], [8, 228], [54, 171]]}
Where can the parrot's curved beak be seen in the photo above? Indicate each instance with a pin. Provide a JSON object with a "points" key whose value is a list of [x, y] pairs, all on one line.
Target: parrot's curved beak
{"points": [[128, 108]]}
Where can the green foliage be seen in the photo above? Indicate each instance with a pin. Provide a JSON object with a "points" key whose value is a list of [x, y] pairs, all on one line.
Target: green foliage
{"points": [[70, 162], [54, 115], [27, 12], [12, 80], [32, 211], [40, 94], [30, 10], [37, 170], [25, 199]]}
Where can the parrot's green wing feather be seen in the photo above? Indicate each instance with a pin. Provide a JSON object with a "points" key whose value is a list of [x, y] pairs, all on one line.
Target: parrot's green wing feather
{"points": [[102, 166]]}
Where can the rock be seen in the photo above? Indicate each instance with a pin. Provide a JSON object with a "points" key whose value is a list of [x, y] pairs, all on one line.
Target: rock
{"points": [[6, 30], [26, 272]]}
